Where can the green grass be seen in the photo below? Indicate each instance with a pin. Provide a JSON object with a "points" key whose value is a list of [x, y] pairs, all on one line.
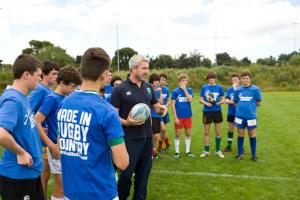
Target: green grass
{"points": [[275, 176]]}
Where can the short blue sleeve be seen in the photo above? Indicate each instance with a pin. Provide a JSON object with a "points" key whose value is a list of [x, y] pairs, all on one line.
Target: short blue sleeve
{"points": [[258, 95], [221, 91], [202, 92], [168, 93], [191, 92], [112, 126], [228, 94], [235, 96], [47, 106], [174, 95], [9, 114]]}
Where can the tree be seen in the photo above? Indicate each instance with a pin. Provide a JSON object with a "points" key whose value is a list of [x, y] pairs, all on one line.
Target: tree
{"points": [[36, 46], [206, 62], [56, 54], [163, 61], [270, 61], [235, 62], [295, 60], [124, 55], [245, 61], [223, 59]]}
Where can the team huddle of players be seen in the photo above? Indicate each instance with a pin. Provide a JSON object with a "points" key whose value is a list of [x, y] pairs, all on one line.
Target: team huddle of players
{"points": [[82, 134], [242, 101]]}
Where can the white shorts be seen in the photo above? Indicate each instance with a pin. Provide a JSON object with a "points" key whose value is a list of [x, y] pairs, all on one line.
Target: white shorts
{"points": [[55, 165]]}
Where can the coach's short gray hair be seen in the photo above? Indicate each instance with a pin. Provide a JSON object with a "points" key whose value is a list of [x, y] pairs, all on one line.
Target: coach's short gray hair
{"points": [[135, 60]]}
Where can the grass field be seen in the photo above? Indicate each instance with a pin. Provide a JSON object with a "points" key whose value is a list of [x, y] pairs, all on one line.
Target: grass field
{"points": [[275, 176]]}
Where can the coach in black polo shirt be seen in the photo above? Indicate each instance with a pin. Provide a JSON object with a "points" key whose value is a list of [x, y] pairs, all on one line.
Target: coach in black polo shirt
{"points": [[138, 135]]}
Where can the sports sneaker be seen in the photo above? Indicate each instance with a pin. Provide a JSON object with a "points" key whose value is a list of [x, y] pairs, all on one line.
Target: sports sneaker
{"points": [[219, 154], [176, 156], [238, 157], [227, 149], [204, 154], [189, 154], [254, 158]]}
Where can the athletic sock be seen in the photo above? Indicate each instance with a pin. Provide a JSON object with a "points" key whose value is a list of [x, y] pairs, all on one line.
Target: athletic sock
{"points": [[240, 145], [167, 142], [229, 139], [253, 146], [218, 143], [160, 145], [187, 144], [206, 148], [176, 142]]}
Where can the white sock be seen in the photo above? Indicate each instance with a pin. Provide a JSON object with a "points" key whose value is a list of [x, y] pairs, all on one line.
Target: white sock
{"points": [[187, 144], [55, 198], [176, 142]]}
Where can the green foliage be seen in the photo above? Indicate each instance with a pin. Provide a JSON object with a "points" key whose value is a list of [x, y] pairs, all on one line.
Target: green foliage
{"points": [[56, 54], [124, 55], [223, 59], [45, 50], [162, 61], [206, 63], [270, 61], [295, 60]]}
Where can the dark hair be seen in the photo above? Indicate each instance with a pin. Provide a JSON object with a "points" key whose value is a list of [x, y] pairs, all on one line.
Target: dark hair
{"points": [[154, 77], [48, 66], [93, 63], [243, 74], [235, 75], [163, 75], [114, 79], [211, 74], [68, 75], [25, 63]]}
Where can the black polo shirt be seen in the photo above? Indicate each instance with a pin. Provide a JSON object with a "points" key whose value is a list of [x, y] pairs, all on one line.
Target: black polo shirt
{"points": [[128, 94]]}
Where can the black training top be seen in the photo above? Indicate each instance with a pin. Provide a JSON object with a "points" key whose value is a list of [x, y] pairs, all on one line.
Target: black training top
{"points": [[125, 96]]}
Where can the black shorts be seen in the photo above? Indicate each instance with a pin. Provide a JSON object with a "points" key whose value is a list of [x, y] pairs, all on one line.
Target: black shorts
{"points": [[166, 118], [13, 189], [156, 125], [215, 117], [230, 118]]}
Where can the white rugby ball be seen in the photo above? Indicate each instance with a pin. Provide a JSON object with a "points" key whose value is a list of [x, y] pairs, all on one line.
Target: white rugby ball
{"points": [[140, 112]]}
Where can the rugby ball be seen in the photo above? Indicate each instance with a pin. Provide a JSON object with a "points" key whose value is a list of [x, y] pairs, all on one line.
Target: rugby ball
{"points": [[140, 112]]}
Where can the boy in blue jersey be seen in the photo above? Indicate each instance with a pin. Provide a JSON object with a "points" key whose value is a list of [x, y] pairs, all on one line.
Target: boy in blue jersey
{"points": [[108, 87], [91, 135], [182, 96], [21, 163], [68, 79], [165, 119], [235, 80], [246, 98], [36, 98], [156, 118], [212, 97]]}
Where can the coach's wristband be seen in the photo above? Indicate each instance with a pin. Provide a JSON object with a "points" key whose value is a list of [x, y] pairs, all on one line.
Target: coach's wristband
{"points": [[116, 141]]}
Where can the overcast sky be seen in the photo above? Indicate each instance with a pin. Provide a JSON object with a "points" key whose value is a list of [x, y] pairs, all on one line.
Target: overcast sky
{"points": [[253, 28]]}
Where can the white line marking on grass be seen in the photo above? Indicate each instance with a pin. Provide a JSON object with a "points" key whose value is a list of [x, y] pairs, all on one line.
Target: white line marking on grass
{"points": [[269, 178]]}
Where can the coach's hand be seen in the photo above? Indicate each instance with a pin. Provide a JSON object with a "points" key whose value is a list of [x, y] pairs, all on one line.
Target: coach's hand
{"points": [[24, 159], [132, 122], [55, 151]]}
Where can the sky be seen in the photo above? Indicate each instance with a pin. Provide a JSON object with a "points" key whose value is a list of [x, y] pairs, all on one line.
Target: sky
{"points": [[256, 28]]}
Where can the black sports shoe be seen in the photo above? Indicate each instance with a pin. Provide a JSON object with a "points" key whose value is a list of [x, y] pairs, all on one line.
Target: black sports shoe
{"points": [[227, 149], [254, 158], [238, 157]]}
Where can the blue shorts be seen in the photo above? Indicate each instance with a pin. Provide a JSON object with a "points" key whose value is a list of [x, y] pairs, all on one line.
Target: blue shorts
{"points": [[245, 123], [166, 118]]}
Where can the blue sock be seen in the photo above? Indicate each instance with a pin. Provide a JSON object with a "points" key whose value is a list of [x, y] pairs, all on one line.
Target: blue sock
{"points": [[240, 145], [253, 146]]}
